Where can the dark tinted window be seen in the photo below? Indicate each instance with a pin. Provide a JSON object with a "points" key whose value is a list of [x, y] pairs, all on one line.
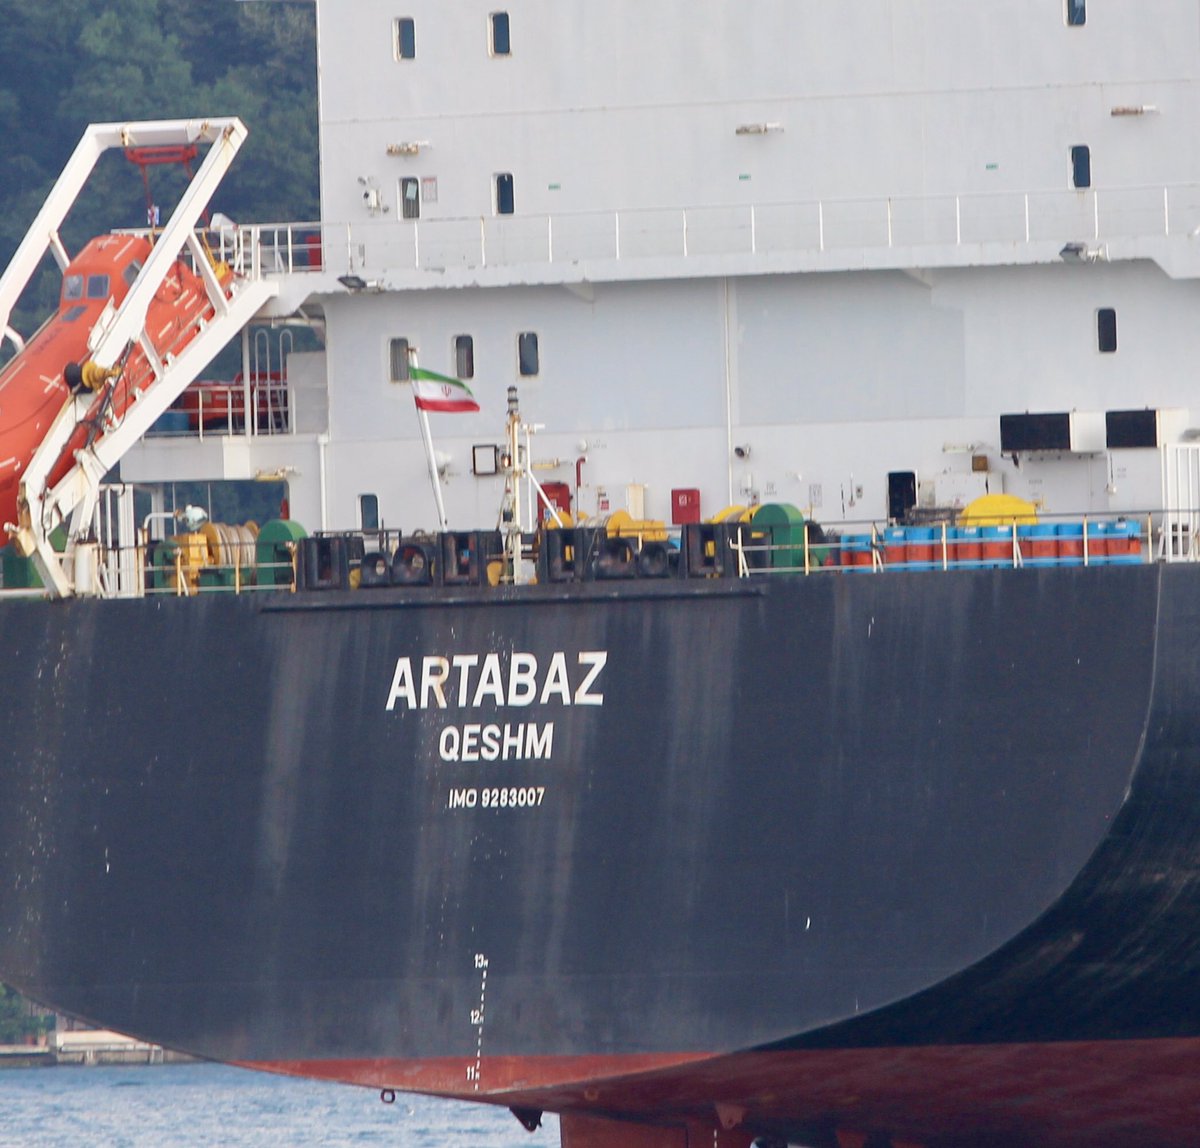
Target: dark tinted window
{"points": [[368, 510], [1106, 330], [1048, 431], [500, 44], [1076, 12], [464, 356], [1131, 428], [398, 360], [98, 287], [1081, 166], [410, 198], [527, 353], [73, 287], [406, 38], [504, 193], [72, 313]]}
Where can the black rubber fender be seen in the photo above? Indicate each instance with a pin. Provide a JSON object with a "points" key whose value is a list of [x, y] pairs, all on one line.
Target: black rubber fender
{"points": [[654, 561], [412, 565], [375, 569]]}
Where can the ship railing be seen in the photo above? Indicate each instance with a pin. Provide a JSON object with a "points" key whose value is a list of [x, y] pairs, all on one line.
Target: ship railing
{"points": [[180, 578], [207, 408], [256, 250], [184, 565], [1079, 221], [866, 546]]}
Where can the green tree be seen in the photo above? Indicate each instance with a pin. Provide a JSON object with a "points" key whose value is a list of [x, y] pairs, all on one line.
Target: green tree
{"points": [[65, 64], [16, 1018]]}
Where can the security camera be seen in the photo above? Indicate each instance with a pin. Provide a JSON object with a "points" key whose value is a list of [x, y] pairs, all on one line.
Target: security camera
{"points": [[742, 451]]}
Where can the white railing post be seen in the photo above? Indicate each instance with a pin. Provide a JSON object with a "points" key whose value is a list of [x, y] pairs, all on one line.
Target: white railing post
{"points": [[286, 251]]}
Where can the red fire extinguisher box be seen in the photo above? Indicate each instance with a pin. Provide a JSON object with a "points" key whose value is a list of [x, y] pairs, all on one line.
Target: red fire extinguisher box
{"points": [[559, 494], [685, 507]]}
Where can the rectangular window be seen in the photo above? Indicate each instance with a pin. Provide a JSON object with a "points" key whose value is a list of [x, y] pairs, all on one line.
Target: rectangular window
{"points": [[527, 353], [1106, 330], [398, 360], [504, 193], [410, 198], [464, 356], [1081, 166], [368, 511], [406, 38], [1076, 13], [500, 42]]}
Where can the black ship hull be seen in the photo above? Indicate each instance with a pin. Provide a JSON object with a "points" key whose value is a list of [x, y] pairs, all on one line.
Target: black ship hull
{"points": [[912, 855]]}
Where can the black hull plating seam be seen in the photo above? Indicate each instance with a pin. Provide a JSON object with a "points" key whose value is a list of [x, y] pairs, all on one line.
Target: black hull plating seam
{"points": [[585, 595]]}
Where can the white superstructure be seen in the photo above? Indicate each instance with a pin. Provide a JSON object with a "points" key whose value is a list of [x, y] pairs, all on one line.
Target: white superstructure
{"points": [[775, 252]]}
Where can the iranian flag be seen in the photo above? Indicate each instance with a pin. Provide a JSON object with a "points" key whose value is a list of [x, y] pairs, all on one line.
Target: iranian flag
{"points": [[434, 392]]}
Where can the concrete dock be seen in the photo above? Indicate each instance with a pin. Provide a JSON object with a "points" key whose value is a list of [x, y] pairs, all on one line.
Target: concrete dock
{"points": [[87, 1048]]}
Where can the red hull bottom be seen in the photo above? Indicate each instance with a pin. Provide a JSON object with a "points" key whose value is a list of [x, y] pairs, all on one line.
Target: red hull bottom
{"points": [[1100, 1094]]}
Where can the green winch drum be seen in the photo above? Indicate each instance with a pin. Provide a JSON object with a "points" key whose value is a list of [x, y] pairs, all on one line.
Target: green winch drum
{"points": [[274, 551]]}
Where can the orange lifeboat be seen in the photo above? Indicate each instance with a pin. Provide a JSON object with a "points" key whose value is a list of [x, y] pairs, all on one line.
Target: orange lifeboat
{"points": [[32, 386], [36, 383]]}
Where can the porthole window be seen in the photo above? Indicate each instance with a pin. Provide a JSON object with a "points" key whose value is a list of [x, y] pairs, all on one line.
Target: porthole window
{"points": [[527, 354], [504, 193], [368, 511], [1106, 330], [1081, 166], [405, 36], [499, 34], [398, 360], [464, 356], [410, 198]]}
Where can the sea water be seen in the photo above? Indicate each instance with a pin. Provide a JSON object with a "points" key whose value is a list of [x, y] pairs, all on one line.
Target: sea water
{"points": [[186, 1105]]}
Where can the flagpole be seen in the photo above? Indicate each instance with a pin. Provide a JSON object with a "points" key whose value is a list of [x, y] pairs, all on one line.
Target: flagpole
{"points": [[427, 438]]}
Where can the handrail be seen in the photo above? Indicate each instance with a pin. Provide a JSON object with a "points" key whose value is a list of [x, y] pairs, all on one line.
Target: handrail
{"points": [[775, 549], [1079, 221]]}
